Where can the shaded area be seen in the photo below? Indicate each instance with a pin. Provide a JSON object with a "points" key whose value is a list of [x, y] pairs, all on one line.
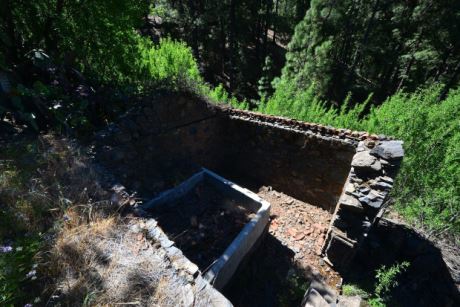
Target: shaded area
{"points": [[271, 277], [288, 259], [428, 280], [265, 280], [203, 223]]}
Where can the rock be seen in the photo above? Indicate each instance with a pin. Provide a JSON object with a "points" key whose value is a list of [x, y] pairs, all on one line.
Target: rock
{"points": [[351, 202], [299, 236], [355, 179], [349, 188], [364, 190], [365, 161], [373, 199], [188, 298], [389, 150], [361, 147], [327, 293], [385, 179], [349, 301], [369, 143], [380, 185], [313, 299], [292, 232]]}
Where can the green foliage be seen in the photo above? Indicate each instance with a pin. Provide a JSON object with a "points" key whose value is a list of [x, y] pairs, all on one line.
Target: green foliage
{"points": [[374, 46], [386, 281], [294, 289], [171, 64], [352, 290], [376, 302], [305, 105], [96, 36], [21, 218], [17, 272], [220, 95], [386, 277], [264, 87], [426, 191]]}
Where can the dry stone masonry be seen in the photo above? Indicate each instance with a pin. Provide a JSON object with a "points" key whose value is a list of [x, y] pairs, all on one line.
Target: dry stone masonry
{"points": [[362, 201], [166, 139]]}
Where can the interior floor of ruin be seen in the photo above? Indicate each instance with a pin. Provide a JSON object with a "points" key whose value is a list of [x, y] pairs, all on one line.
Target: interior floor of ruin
{"points": [[288, 258]]}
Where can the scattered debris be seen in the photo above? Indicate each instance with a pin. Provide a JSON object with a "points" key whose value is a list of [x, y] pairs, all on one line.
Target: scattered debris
{"points": [[302, 228]]}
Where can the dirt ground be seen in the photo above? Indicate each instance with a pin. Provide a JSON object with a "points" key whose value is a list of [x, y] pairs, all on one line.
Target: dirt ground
{"points": [[280, 270], [203, 224], [302, 228]]}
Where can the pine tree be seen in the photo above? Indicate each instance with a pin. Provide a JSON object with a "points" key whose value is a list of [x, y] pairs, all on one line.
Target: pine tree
{"points": [[264, 85], [375, 46]]}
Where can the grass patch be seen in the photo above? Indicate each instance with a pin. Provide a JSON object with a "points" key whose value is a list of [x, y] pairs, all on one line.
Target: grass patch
{"points": [[353, 290], [47, 186]]}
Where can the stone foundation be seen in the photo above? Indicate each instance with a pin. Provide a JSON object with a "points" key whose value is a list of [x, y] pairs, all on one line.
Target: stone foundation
{"points": [[165, 139]]}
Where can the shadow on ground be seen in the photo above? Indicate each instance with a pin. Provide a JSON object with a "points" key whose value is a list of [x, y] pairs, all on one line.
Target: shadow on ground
{"points": [[268, 277], [428, 280]]}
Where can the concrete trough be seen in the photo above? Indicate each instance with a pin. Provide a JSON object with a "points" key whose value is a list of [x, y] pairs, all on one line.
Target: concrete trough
{"points": [[222, 269]]}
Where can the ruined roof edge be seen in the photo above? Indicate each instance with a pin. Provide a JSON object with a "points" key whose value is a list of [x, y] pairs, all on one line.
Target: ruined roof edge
{"points": [[318, 129]]}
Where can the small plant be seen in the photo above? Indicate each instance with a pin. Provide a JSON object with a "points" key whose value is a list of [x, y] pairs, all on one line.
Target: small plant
{"points": [[386, 281], [352, 290], [295, 286], [18, 271]]}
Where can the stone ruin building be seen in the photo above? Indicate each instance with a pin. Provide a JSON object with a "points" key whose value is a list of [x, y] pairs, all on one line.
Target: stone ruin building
{"points": [[348, 174]]}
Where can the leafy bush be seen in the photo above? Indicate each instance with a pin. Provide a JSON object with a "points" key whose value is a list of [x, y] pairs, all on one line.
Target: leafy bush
{"points": [[220, 95], [171, 64], [386, 281], [97, 37], [427, 190], [352, 290]]}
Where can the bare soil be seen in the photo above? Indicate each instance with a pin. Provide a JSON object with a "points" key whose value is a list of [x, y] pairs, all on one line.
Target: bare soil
{"points": [[302, 228], [288, 259], [203, 224]]}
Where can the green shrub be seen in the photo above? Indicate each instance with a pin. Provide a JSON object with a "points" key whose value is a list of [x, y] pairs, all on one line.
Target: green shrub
{"points": [[171, 64], [386, 277], [352, 290], [386, 281], [427, 190], [18, 275]]}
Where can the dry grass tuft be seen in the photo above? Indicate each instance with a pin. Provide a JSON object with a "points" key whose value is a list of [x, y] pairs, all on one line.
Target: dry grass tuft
{"points": [[105, 262], [88, 253]]}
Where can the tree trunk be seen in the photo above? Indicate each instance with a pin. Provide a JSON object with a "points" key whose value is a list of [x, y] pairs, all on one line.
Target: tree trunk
{"points": [[275, 22], [194, 42], [233, 4], [453, 80], [365, 36], [223, 42], [12, 53]]}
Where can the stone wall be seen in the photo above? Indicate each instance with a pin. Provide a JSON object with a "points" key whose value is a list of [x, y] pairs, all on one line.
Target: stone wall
{"points": [[361, 204], [305, 163], [163, 140]]}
